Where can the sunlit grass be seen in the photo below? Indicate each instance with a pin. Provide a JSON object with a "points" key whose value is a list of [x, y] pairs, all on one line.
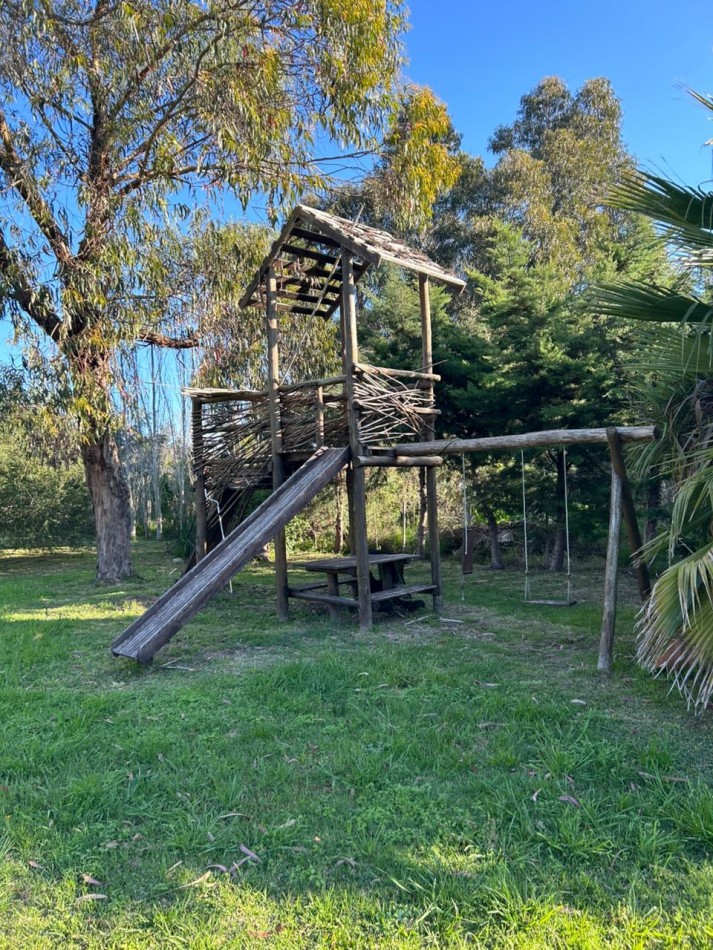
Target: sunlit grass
{"points": [[433, 783]]}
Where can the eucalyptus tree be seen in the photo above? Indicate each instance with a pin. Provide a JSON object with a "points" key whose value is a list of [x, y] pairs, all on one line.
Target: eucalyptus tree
{"points": [[115, 118]]}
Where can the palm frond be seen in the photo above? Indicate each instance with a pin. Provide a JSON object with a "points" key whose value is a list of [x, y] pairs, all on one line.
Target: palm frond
{"points": [[675, 627], [644, 301], [686, 213]]}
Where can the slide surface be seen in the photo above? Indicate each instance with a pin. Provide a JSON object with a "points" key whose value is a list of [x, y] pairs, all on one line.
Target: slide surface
{"points": [[149, 632]]}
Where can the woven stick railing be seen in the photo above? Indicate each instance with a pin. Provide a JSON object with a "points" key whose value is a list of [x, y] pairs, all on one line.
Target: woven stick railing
{"points": [[391, 405]]}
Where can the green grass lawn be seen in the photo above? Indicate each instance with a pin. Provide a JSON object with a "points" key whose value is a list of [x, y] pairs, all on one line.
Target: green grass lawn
{"points": [[431, 783]]}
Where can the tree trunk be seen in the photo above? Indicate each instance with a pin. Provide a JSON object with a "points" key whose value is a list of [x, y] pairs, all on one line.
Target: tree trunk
{"points": [[422, 509], [496, 555], [112, 509], [560, 545]]}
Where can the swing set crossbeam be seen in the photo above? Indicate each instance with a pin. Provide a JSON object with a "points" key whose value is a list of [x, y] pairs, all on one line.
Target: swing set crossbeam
{"points": [[527, 440]]}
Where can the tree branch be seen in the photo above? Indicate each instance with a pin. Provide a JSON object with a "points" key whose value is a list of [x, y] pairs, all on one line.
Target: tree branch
{"points": [[35, 301], [21, 179], [152, 338]]}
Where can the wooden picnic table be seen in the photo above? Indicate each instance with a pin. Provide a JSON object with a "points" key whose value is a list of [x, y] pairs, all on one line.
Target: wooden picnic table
{"points": [[391, 584]]}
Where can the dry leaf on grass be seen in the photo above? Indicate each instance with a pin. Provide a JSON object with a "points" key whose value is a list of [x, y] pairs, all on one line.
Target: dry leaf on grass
{"points": [[570, 800], [88, 879], [250, 854]]}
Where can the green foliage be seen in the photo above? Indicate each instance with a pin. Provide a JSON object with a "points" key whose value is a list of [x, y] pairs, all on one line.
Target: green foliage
{"points": [[41, 505], [677, 362], [44, 501]]}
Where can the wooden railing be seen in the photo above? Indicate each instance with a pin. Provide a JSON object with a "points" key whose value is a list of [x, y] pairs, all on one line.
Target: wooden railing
{"points": [[393, 402]]}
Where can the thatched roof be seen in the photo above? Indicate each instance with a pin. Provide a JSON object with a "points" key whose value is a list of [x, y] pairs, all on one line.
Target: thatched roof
{"points": [[307, 261]]}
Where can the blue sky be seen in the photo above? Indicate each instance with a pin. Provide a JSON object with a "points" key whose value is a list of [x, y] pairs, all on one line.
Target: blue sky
{"points": [[480, 58]]}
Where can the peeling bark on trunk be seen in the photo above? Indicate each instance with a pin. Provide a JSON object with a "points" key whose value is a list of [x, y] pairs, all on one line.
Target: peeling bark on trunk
{"points": [[112, 508]]}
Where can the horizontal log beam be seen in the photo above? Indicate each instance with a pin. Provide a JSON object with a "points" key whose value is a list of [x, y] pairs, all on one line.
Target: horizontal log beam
{"points": [[527, 440], [388, 371], [397, 461]]}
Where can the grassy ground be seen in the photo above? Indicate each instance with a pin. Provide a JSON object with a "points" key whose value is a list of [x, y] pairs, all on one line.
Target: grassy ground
{"points": [[429, 784]]}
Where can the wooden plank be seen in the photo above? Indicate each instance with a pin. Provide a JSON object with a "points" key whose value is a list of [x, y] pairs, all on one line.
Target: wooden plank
{"points": [[526, 440], [273, 382], [207, 396], [349, 563], [395, 592], [333, 599], [306, 298], [307, 252], [301, 588], [146, 635], [611, 577], [315, 236], [303, 311], [629, 512]]}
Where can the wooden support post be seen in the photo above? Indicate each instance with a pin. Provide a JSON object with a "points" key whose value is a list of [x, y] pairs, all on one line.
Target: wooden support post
{"points": [[606, 639], [319, 433], [357, 482], [629, 512], [434, 540], [201, 501], [273, 382]]}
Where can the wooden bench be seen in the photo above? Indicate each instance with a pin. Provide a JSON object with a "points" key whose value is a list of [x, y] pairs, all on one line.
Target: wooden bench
{"points": [[342, 571]]}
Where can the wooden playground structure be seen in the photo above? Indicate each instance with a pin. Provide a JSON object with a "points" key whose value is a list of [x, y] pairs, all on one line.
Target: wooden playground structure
{"points": [[297, 435]]}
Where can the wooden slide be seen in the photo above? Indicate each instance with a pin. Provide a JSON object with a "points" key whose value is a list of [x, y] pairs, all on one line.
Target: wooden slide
{"points": [[146, 635]]}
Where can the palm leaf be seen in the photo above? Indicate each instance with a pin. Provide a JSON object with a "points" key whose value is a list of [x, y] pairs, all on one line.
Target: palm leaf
{"points": [[644, 301], [675, 627], [685, 213]]}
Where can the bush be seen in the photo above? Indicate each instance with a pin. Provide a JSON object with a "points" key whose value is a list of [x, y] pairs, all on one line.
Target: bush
{"points": [[41, 506]]}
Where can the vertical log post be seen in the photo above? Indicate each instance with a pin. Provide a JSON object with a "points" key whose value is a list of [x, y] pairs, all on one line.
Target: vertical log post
{"points": [[319, 413], [434, 541], [606, 639], [629, 512], [201, 502], [273, 382], [357, 482]]}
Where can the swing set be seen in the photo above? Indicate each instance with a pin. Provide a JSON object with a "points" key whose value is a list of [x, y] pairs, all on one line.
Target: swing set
{"points": [[621, 508], [527, 596]]}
